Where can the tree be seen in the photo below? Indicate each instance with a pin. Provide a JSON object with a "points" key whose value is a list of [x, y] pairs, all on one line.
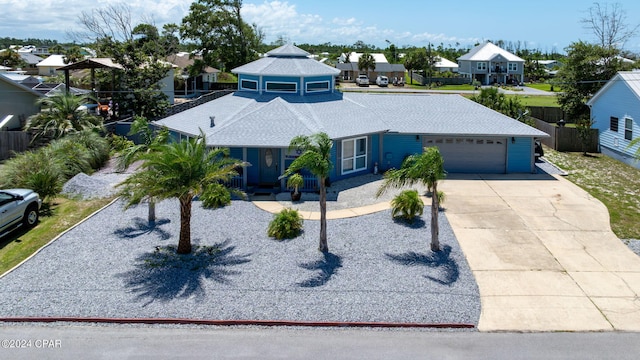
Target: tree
{"points": [[495, 100], [61, 115], [10, 58], [220, 34], [415, 60], [180, 170], [427, 169], [608, 24], [586, 69], [149, 140], [366, 62], [315, 157], [72, 54], [583, 126]]}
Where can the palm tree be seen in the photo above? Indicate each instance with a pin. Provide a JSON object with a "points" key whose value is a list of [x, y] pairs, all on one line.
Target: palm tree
{"points": [[426, 168], [180, 170], [148, 140], [61, 114], [316, 157], [366, 62]]}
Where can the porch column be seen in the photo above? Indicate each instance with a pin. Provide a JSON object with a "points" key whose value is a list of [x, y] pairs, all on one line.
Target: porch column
{"points": [[283, 184], [244, 171]]}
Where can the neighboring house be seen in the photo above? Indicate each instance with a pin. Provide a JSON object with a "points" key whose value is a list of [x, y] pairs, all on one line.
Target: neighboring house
{"points": [[444, 65], [615, 110], [287, 94], [31, 61], [202, 81], [349, 70], [490, 64], [17, 103], [50, 65]]}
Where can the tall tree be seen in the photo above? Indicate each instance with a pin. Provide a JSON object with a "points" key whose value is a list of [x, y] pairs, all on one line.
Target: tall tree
{"points": [[495, 100], [426, 169], [61, 115], [366, 62], [11, 58], [315, 157], [586, 69], [415, 60], [608, 22], [219, 32], [180, 170]]}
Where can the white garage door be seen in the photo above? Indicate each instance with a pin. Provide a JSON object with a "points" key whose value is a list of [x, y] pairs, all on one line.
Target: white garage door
{"points": [[471, 155]]}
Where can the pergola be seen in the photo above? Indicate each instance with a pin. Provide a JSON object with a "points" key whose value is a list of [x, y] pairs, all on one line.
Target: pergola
{"points": [[92, 63]]}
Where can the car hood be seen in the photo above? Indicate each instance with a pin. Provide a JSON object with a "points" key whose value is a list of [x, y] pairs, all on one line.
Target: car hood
{"points": [[21, 192]]}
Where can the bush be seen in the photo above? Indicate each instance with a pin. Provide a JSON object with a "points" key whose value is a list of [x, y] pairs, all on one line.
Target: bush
{"points": [[73, 157], [287, 224], [119, 143], [35, 170], [96, 145], [215, 196], [407, 205]]}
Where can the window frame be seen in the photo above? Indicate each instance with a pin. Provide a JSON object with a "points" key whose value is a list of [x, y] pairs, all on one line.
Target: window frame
{"points": [[354, 156], [628, 130], [512, 66], [481, 65], [317, 90], [611, 123], [295, 85], [242, 87]]}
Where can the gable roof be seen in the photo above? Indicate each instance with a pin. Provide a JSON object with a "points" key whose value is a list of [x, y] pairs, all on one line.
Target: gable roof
{"points": [[183, 60], [486, 52], [354, 57], [445, 63], [24, 88], [630, 78], [252, 120], [30, 58], [53, 61]]}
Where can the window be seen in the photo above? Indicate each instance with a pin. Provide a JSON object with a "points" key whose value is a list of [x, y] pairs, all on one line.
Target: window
{"points": [[249, 85], [282, 87], [482, 66], [317, 86], [628, 127], [613, 124], [354, 155], [512, 67]]}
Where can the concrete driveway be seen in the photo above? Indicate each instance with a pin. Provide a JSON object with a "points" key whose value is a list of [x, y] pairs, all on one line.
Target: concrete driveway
{"points": [[543, 254]]}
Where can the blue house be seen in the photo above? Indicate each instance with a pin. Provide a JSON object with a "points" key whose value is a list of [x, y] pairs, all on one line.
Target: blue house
{"points": [[615, 108], [286, 94]]}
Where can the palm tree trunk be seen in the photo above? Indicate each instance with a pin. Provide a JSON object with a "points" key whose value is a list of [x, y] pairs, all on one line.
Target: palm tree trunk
{"points": [[152, 211], [184, 244], [435, 231], [324, 247]]}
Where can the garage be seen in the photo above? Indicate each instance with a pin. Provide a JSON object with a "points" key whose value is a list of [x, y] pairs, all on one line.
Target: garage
{"points": [[471, 155]]}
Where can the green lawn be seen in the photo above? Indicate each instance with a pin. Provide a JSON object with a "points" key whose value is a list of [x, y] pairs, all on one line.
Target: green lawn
{"points": [[538, 100], [614, 183], [544, 87], [62, 214]]}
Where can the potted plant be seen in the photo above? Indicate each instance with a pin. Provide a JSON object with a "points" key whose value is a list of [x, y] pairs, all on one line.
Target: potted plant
{"points": [[295, 181]]}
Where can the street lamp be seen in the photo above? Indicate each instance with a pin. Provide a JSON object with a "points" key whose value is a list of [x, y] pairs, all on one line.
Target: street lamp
{"points": [[185, 76]]}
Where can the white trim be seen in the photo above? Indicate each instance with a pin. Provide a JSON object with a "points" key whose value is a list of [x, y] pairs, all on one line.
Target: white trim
{"points": [[353, 157], [295, 90], [629, 129]]}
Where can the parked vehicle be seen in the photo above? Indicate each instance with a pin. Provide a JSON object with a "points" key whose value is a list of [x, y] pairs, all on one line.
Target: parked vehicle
{"points": [[382, 81], [18, 207], [362, 80]]}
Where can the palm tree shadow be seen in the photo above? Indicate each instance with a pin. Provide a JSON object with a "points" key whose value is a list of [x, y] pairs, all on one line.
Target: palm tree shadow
{"points": [[325, 268], [416, 223], [446, 267], [165, 275], [142, 227]]}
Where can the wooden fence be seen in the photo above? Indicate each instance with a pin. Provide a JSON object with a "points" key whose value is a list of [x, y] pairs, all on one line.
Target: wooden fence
{"points": [[13, 141], [565, 138]]}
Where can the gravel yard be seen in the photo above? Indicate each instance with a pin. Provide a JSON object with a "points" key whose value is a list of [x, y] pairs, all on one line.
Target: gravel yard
{"points": [[115, 265]]}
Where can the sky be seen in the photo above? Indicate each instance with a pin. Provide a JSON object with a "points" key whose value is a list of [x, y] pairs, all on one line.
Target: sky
{"points": [[541, 24]]}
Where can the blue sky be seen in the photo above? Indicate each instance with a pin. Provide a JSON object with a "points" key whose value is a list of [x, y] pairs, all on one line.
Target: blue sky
{"points": [[542, 24]]}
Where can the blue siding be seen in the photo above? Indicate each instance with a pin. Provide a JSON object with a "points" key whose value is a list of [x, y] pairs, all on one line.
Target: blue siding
{"points": [[318, 79], [616, 101], [287, 79], [248, 77], [396, 147], [235, 153], [520, 155]]}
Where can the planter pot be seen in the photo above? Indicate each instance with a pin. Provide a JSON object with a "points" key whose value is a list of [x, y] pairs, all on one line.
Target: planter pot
{"points": [[296, 197]]}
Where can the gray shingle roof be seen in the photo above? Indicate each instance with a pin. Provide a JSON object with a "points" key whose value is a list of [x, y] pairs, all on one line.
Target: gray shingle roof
{"points": [[287, 66], [253, 120]]}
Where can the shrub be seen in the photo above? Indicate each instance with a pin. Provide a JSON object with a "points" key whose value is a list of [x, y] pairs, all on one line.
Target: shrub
{"points": [[118, 143], [34, 170], [215, 196], [73, 157], [407, 205], [287, 224], [96, 145]]}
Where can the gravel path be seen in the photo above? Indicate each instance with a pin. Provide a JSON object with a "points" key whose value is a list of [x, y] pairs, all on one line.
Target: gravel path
{"points": [[114, 265]]}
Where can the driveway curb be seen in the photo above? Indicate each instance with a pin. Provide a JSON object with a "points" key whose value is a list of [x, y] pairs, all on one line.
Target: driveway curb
{"points": [[155, 321]]}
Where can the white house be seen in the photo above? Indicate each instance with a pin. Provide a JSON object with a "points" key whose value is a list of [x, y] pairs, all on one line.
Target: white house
{"points": [[50, 65], [491, 64]]}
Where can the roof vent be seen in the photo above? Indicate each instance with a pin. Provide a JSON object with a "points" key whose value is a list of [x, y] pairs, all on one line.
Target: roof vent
{"points": [[212, 123]]}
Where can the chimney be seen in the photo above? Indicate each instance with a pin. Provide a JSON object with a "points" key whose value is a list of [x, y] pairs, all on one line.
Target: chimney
{"points": [[212, 123]]}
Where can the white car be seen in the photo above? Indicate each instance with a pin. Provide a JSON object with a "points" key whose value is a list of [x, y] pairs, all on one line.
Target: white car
{"points": [[382, 81], [18, 207], [362, 80]]}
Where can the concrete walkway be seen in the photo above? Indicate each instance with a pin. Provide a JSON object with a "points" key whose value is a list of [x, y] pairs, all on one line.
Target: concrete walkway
{"points": [[541, 250], [543, 254]]}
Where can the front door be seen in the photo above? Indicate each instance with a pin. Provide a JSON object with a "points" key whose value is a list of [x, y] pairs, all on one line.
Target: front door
{"points": [[269, 166]]}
